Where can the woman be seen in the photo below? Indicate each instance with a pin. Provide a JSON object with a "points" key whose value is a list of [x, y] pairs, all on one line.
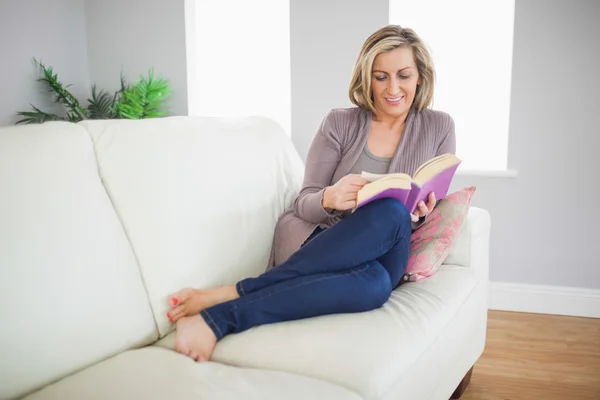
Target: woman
{"points": [[329, 259]]}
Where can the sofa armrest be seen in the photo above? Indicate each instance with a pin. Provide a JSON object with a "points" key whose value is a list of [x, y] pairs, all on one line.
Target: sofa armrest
{"points": [[472, 243]]}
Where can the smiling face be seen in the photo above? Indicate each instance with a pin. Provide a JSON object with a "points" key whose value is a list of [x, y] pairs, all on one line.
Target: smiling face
{"points": [[394, 81]]}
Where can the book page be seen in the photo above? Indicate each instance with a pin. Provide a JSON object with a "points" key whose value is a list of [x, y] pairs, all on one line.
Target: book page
{"points": [[391, 185], [431, 169], [375, 177], [429, 162]]}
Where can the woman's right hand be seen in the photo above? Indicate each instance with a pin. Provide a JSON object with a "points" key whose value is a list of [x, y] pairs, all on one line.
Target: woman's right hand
{"points": [[342, 195]]}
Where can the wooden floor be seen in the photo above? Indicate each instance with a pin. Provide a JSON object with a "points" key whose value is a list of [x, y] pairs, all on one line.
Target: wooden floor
{"points": [[538, 357]]}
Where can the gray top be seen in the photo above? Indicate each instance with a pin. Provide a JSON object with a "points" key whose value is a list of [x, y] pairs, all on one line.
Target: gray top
{"points": [[334, 151], [369, 162]]}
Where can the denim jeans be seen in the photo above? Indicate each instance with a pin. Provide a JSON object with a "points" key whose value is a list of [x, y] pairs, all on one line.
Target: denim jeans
{"points": [[351, 267]]}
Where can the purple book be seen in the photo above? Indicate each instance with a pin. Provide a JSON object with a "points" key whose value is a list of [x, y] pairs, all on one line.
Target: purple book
{"points": [[407, 190], [438, 184]]}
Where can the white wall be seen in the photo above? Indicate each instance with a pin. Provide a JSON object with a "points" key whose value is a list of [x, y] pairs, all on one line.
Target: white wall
{"points": [[238, 63], [544, 222], [53, 32], [133, 36]]}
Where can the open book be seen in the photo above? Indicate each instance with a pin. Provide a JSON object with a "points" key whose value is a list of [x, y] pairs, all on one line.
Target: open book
{"points": [[433, 176]]}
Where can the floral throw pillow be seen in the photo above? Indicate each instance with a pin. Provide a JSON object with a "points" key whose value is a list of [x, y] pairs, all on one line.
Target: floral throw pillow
{"points": [[432, 241]]}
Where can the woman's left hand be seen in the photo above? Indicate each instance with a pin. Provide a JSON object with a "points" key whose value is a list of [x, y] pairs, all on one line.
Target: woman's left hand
{"points": [[424, 209]]}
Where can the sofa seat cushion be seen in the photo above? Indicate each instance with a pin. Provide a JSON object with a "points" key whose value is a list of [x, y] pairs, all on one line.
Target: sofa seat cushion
{"points": [[364, 352], [157, 373]]}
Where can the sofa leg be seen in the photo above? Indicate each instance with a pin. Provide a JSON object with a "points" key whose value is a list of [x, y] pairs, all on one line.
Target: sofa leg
{"points": [[462, 386]]}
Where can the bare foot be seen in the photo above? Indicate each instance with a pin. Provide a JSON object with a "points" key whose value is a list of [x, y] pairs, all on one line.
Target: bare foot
{"points": [[194, 338], [188, 302]]}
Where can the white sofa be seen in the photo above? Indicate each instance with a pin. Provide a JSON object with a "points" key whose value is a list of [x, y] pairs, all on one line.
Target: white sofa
{"points": [[101, 221]]}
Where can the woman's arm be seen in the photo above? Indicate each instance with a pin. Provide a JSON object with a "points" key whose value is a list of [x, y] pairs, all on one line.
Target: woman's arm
{"points": [[322, 160], [447, 144]]}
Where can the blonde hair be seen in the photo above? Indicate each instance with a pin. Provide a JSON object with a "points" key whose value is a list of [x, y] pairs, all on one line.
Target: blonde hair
{"points": [[385, 39]]}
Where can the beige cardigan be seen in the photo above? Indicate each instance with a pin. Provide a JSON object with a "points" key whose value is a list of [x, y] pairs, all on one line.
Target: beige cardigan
{"points": [[335, 148]]}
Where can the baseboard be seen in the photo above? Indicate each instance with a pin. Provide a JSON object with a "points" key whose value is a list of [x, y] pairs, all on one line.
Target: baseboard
{"points": [[540, 299]]}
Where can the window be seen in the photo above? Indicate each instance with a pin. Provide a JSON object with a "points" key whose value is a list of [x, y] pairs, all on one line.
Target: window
{"points": [[238, 58], [471, 44]]}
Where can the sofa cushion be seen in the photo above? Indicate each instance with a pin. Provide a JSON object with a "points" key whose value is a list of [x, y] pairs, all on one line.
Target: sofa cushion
{"points": [[198, 197], [431, 243], [365, 352], [71, 291], [155, 373]]}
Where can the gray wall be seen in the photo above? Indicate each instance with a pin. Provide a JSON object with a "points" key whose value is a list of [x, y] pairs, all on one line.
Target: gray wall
{"points": [[50, 31], [88, 42], [133, 36], [326, 37], [544, 229], [545, 221]]}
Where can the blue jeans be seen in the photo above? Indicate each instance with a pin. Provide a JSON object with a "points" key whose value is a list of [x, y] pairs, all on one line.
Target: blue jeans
{"points": [[351, 267]]}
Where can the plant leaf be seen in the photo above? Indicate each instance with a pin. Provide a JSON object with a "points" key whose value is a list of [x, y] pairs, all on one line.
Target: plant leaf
{"points": [[143, 99], [62, 96], [101, 105], [36, 116]]}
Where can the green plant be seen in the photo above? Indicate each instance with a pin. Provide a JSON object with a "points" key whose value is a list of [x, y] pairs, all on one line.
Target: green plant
{"points": [[144, 99]]}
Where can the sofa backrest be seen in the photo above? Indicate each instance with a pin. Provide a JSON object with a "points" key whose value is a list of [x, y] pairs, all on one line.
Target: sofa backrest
{"points": [[70, 287], [198, 197]]}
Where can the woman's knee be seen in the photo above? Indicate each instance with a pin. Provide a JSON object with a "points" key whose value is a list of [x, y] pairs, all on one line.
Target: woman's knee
{"points": [[394, 211], [369, 289], [378, 287]]}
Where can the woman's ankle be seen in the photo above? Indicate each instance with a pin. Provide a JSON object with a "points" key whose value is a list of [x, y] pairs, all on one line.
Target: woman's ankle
{"points": [[231, 292]]}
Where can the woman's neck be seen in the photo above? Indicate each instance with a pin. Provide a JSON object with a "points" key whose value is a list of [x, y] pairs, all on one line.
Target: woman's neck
{"points": [[390, 122]]}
